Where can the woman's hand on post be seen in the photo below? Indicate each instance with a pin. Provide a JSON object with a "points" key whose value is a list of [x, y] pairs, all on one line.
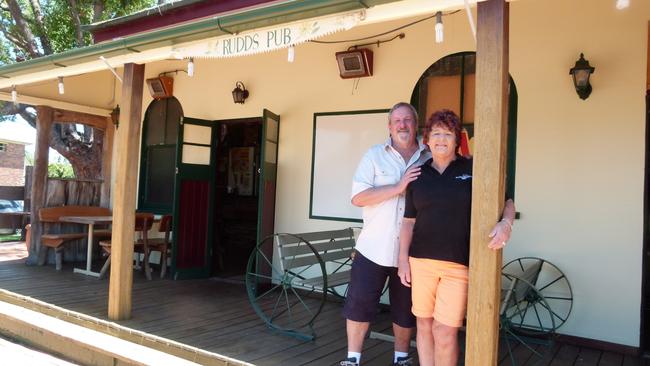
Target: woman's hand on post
{"points": [[404, 272], [500, 234]]}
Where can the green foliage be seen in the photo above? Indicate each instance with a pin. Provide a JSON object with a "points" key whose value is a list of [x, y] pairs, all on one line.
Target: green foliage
{"points": [[58, 23], [60, 169], [9, 237], [29, 158], [60, 28]]}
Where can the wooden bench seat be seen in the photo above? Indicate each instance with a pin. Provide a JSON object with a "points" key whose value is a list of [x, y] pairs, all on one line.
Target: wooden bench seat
{"points": [[335, 250], [56, 240], [52, 215], [333, 280]]}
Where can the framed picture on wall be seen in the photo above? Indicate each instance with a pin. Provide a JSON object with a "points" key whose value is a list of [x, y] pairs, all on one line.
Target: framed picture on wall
{"points": [[240, 174]]}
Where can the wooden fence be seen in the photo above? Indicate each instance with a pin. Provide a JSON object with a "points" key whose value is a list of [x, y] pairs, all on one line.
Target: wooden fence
{"points": [[69, 192]]}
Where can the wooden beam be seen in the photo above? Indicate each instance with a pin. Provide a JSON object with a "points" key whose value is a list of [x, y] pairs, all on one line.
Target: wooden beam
{"points": [[107, 164], [488, 189], [65, 116], [44, 118], [36, 101], [128, 139]]}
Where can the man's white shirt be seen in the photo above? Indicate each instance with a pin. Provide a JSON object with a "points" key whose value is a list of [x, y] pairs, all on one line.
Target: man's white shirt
{"points": [[383, 165]]}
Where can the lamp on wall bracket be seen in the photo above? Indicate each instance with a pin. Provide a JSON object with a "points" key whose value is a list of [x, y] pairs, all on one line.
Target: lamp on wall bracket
{"points": [[115, 116], [239, 94], [581, 73]]}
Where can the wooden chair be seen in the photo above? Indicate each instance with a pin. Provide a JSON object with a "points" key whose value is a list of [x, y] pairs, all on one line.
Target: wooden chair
{"points": [[143, 223], [162, 245]]}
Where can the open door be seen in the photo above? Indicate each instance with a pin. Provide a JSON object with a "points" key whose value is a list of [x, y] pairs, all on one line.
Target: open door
{"points": [[266, 201], [193, 211], [268, 174]]}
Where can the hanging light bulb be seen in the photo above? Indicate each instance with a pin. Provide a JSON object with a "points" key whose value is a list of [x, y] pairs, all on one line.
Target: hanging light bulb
{"points": [[291, 53], [190, 67], [14, 94], [61, 86], [622, 4], [439, 28]]}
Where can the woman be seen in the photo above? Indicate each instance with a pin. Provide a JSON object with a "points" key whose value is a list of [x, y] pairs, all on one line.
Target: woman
{"points": [[434, 241]]}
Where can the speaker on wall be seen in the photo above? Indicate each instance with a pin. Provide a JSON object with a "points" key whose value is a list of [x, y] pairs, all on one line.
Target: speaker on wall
{"points": [[161, 87], [355, 63]]}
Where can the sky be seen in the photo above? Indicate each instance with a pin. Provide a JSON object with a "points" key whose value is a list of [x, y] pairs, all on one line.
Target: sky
{"points": [[20, 130]]}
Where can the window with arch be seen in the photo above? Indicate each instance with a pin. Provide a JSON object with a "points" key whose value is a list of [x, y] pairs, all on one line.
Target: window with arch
{"points": [[158, 156], [450, 83]]}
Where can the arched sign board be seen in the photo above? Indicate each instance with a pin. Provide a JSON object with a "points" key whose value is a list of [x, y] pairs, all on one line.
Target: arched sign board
{"points": [[339, 142]]}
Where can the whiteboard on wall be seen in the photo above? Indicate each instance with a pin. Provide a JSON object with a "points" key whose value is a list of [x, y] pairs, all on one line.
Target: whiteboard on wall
{"points": [[339, 142]]}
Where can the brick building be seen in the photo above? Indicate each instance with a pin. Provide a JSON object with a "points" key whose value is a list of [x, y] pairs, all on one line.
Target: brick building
{"points": [[12, 164], [13, 139]]}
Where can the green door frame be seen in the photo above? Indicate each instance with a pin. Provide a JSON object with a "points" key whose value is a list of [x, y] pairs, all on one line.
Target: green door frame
{"points": [[194, 172]]}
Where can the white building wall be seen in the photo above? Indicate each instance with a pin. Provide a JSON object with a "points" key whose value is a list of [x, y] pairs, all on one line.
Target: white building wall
{"points": [[580, 164]]}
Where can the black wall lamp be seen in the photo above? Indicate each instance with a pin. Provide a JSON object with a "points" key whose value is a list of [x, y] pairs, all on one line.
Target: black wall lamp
{"points": [[115, 116], [239, 94], [581, 73]]}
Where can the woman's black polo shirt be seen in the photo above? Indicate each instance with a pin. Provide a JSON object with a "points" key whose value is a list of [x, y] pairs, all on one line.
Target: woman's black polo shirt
{"points": [[441, 205]]}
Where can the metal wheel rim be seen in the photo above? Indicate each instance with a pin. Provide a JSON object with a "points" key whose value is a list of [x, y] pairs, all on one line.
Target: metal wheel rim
{"points": [[526, 312], [518, 298], [552, 284], [282, 306]]}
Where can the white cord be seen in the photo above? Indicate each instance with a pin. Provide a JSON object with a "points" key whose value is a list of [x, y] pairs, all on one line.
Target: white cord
{"points": [[471, 19], [110, 68]]}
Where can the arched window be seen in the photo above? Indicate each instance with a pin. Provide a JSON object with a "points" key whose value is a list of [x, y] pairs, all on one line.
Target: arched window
{"points": [[450, 83], [158, 158]]}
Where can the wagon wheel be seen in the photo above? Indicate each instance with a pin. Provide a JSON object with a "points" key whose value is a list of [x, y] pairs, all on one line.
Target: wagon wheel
{"points": [[526, 321], [340, 291], [277, 293], [551, 283]]}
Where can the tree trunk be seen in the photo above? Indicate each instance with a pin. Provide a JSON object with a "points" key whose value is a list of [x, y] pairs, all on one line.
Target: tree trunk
{"points": [[83, 151], [98, 10], [74, 14]]}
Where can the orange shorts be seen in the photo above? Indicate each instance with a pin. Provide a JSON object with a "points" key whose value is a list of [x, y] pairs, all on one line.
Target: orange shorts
{"points": [[439, 290]]}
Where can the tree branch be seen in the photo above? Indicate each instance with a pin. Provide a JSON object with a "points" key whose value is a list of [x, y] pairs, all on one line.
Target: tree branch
{"points": [[40, 27], [98, 10], [23, 29], [74, 13]]}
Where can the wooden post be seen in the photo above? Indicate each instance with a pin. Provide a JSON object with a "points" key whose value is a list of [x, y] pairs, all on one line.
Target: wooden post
{"points": [[107, 163], [44, 117], [488, 190], [128, 138]]}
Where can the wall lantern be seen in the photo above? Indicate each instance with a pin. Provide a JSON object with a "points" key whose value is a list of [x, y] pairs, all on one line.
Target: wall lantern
{"points": [[115, 116], [239, 94], [581, 73]]}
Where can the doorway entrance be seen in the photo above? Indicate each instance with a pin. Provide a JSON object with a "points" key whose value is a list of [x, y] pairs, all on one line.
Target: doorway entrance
{"points": [[236, 203], [224, 199]]}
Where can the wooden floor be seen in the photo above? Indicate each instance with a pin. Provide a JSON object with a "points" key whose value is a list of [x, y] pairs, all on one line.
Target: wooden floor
{"points": [[215, 315]]}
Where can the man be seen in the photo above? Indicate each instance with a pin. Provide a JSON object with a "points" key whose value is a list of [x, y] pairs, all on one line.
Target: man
{"points": [[378, 187]]}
